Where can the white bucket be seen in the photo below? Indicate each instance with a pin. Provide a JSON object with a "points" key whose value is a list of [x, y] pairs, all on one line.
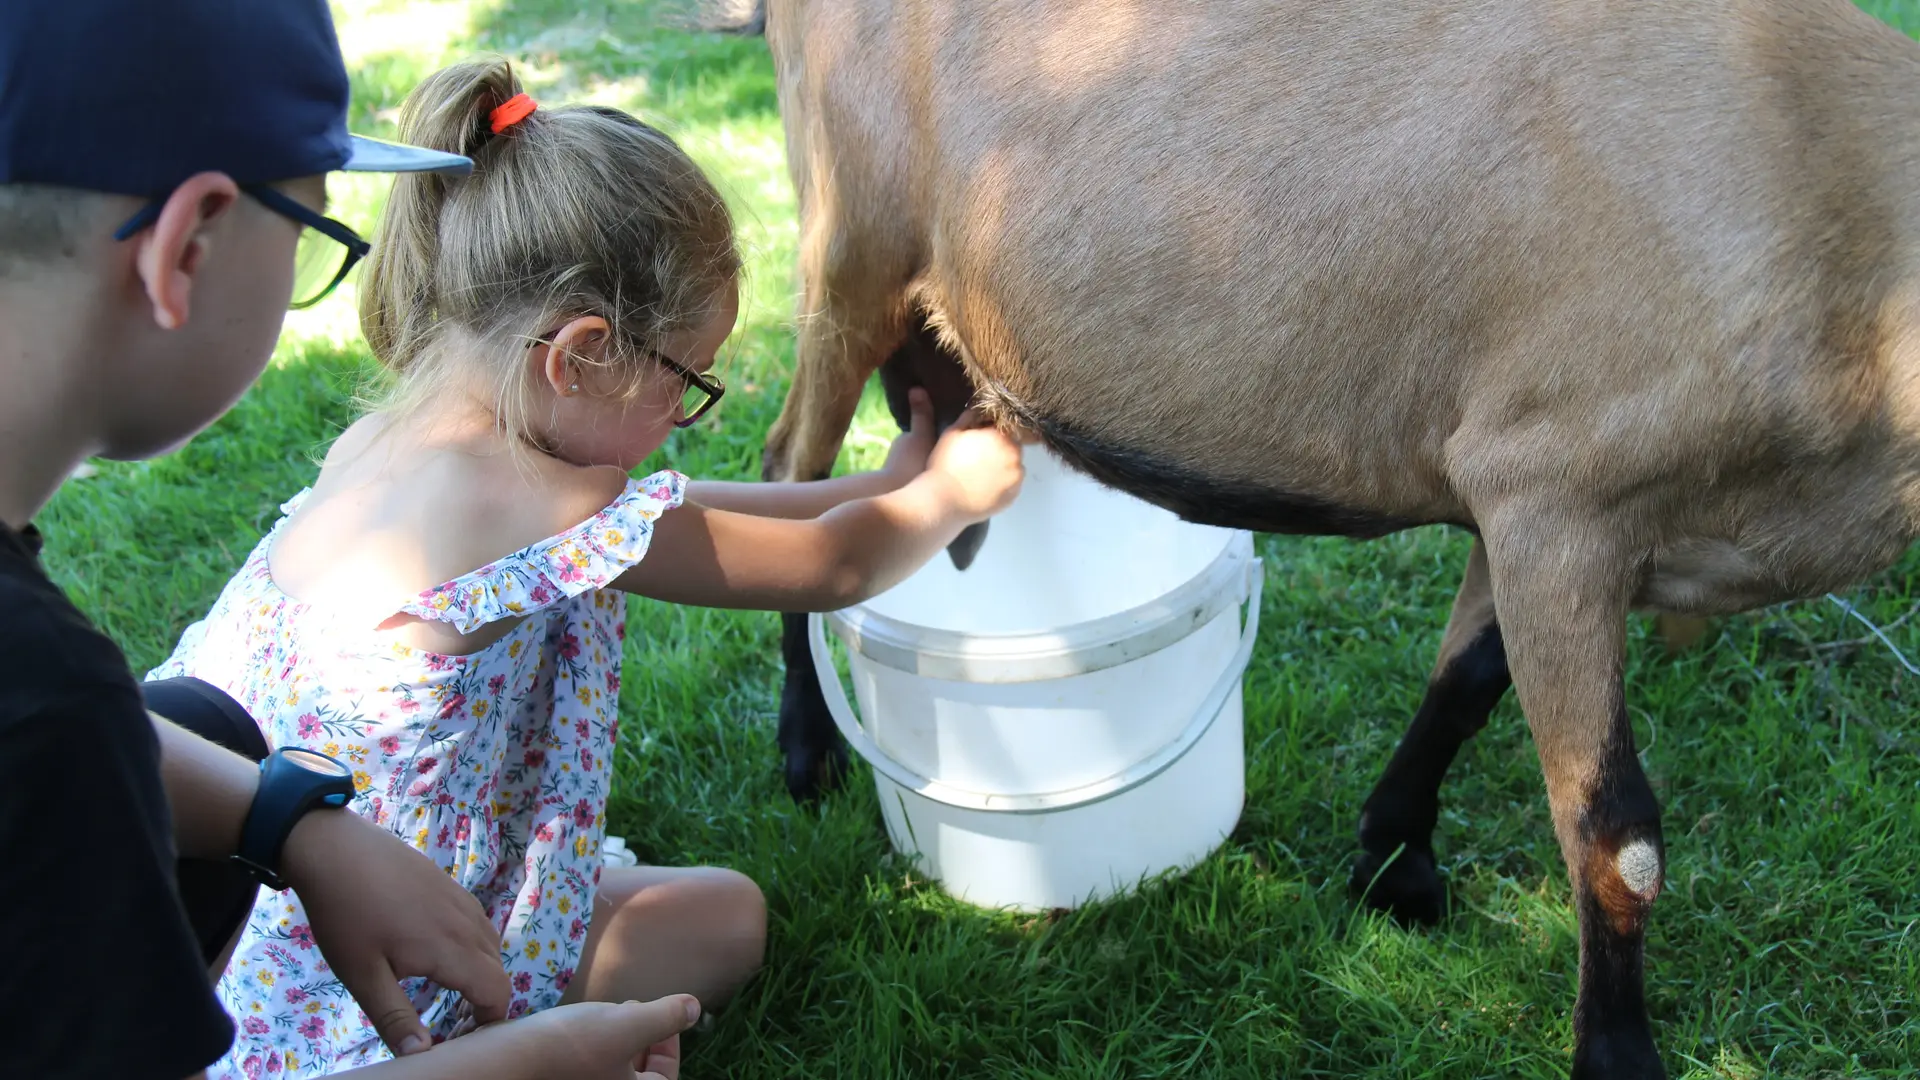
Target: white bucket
{"points": [[1063, 718]]}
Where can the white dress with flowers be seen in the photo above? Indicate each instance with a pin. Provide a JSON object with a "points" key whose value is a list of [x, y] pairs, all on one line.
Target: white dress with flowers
{"points": [[496, 764]]}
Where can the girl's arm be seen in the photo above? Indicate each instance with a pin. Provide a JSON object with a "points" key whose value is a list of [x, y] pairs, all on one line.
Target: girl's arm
{"points": [[812, 498], [717, 558]]}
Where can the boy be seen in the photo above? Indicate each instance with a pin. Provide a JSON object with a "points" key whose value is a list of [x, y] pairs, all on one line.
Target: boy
{"points": [[160, 164]]}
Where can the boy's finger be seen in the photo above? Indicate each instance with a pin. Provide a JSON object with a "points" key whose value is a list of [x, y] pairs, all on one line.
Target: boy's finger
{"points": [[378, 994], [661, 1060]]}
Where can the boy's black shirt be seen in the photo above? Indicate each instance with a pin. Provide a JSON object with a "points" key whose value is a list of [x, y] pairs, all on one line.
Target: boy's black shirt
{"points": [[100, 972]]}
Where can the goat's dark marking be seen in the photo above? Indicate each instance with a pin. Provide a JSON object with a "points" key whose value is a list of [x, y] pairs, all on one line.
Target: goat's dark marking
{"points": [[1396, 870]]}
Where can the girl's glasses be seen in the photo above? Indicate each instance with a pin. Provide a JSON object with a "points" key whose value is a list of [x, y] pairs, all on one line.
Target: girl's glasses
{"points": [[702, 391], [328, 249]]}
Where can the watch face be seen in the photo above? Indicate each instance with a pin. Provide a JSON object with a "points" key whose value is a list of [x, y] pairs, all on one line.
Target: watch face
{"points": [[314, 762]]}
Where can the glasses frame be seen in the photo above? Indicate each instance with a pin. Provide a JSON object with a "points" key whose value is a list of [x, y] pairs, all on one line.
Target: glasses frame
{"points": [[710, 385], [287, 207]]}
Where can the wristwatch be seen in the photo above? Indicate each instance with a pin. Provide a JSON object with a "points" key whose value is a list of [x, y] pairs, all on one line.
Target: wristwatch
{"points": [[292, 782]]}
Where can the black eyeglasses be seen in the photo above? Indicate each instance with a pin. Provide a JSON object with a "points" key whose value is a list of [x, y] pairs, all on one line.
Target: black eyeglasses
{"points": [[702, 391], [328, 249]]}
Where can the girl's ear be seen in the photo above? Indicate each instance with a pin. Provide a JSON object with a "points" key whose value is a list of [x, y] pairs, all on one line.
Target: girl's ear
{"points": [[585, 338]]}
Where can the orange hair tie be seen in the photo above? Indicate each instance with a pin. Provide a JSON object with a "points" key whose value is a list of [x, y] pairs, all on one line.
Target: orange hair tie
{"points": [[510, 112]]}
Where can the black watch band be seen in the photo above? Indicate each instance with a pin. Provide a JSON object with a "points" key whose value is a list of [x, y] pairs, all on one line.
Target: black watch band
{"points": [[292, 782]]}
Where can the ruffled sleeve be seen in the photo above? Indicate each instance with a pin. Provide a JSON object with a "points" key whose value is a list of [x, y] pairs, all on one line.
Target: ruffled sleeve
{"points": [[586, 557]]}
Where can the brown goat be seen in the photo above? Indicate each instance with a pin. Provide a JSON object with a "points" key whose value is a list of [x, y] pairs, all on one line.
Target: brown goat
{"points": [[1629, 290]]}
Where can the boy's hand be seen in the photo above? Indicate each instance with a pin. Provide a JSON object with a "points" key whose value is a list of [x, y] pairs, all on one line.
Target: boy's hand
{"points": [[381, 912], [980, 466], [908, 456], [596, 1040]]}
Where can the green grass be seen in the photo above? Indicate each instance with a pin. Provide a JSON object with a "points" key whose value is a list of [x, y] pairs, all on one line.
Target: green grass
{"points": [[1786, 766]]}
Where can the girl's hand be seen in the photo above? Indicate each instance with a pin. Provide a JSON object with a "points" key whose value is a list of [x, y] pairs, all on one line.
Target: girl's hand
{"points": [[908, 456], [979, 466]]}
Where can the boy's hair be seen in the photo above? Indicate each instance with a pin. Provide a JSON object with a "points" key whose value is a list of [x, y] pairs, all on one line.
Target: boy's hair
{"points": [[39, 222], [575, 210]]}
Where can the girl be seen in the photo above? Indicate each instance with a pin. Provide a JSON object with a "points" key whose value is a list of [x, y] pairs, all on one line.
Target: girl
{"points": [[442, 610]]}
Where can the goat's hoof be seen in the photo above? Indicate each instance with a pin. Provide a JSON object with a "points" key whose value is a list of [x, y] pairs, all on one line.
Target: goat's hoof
{"points": [[1406, 885], [813, 771], [1626, 1054]]}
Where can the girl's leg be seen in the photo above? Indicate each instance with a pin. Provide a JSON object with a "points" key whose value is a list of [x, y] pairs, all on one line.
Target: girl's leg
{"points": [[661, 930]]}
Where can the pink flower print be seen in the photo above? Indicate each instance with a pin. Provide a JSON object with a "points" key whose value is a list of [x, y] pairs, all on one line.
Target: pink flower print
{"points": [[312, 1027], [581, 729], [273, 1063], [583, 814], [390, 744], [408, 705], [586, 759], [577, 931], [543, 833], [496, 684], [562, 978], [425, 765], [309, 726], [569, 573], [519, 1008], [613, 680], [453, 705], [462, 828], [295, 995], [302, 936], [541, 595], [445, 838], [255, 1026], [620, 629], [444, 798], [569, 646], [522, 982], [251, 1067], [535, 758]]}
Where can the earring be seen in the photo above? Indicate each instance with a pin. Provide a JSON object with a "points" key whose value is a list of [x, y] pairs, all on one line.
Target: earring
{"points": [[575, 388]]}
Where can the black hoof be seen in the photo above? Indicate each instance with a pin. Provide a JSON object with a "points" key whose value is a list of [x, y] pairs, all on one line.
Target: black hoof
{"points": [[1618, 1055], [813, 771], [1408, 888]]}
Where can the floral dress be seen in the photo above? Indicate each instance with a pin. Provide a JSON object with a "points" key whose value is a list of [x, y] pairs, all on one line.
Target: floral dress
{"points": [[496, 764]]}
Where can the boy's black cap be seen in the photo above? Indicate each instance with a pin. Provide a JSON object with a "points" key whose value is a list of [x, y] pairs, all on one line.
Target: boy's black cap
{"points": [[134, 96]]}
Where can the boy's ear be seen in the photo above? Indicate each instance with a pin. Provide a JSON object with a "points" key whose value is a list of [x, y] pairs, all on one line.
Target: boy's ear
{"points": [[585, 336], [175, 246]]}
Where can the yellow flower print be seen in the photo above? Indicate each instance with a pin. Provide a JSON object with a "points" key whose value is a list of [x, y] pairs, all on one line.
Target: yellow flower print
{"points": [[265, 976], [420, 839], [613, 537], [513, 650], [292, 1061], [578, 558], [440, 602], [332, 749], [361, 781], [479, 709], [313, 1005], [516, 607], [255, 1006], [566, 902], [579, 852], [293, 697], [586, 695], [533, 949]]}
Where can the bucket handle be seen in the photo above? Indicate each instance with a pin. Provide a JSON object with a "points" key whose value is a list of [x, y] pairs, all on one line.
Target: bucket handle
{"points": [[1042, 802]]}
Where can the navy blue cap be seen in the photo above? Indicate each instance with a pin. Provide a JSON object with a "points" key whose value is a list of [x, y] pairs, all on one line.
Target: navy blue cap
{"points": [[134, 96]]}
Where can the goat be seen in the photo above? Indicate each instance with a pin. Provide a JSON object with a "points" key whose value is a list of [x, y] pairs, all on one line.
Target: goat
{"points": [[1627, 290]]}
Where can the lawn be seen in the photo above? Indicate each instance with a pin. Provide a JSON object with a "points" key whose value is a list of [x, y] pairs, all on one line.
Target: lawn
{"points": [[1781, 747]]}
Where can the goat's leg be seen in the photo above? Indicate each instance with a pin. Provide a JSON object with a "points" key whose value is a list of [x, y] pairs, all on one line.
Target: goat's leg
{"points": [[1563, 599], [851, 323], [1395, 871]]}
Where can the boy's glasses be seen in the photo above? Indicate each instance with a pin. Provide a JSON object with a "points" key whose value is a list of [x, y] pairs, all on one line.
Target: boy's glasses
{"points": [[328, 249]]}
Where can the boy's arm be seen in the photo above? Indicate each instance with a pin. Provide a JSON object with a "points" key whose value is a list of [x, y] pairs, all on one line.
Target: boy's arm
{"points": [[380, 910]]}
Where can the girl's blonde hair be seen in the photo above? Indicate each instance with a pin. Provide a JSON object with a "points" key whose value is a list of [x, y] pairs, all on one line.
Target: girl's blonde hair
{"points": [[576, 210]]}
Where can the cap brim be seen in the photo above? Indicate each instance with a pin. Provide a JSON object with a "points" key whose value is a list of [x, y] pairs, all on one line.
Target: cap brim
{"points": [[372, 155]]}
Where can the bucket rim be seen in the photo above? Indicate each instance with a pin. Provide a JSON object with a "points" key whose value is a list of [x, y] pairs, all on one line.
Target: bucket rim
{"points": [[1077, 649]]}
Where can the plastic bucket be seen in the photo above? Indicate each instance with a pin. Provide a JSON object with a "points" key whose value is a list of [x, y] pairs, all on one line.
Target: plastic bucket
{"points": [[1063, 718]]}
